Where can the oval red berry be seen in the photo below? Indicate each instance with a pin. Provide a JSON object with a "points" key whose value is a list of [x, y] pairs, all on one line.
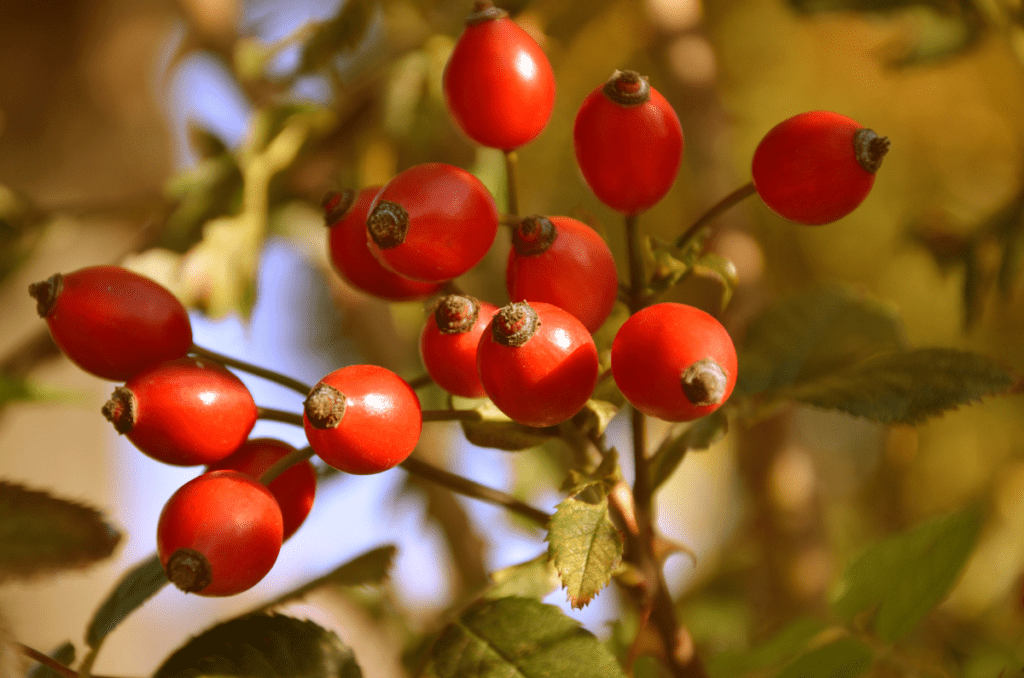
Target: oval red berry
{"points": [[219, 534], [350, 253], [498, 83], [432, 222], [449, 340], [362, 419], [674, 362], [816, 167], [112, 322], [628, 142], [184, 412]]}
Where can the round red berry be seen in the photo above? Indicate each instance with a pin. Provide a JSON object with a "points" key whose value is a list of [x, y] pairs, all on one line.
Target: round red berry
{"points": [[345, 214], [674, 362], [538, 363], [498, 83], [219, 534], [629, 143], [432, 222], [183, 412], [294, 489], [112, 322], [817, 167], [449, 340], [362, 419], [563, 262]]}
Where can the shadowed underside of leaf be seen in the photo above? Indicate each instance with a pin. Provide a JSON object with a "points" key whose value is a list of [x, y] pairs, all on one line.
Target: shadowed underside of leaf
{"points": [[263, 646], [700, 435], [495, 429], [41, 534], [520, 637], [845, 658], [907, 575], [907, 387], [585, 547], [811, 333], [135, 588]]}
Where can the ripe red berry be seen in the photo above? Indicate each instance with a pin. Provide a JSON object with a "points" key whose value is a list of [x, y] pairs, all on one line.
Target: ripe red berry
{"points": [[629, 143], [674, 362], [817, 167], [563, 262], [538, 363], [345, 214], [362, 419], [498, 83], [432, 222], [294, 489], [112, 322], [183, 412], [219, 534], [449, 340]]}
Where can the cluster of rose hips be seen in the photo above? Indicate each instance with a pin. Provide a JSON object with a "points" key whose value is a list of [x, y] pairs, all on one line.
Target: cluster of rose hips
{"points": [[535, 358]]}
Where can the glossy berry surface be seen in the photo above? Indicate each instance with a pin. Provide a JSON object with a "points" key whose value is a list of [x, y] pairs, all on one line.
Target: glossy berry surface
{"points": [[294, 489], [674, 362], [219, 534], [449, 341], [564, 262], [498, 82], [184, 412], [432, 222], [817, 167], [628, 142], [113, 322], [362, 419], [538, 363], [350, 252]]}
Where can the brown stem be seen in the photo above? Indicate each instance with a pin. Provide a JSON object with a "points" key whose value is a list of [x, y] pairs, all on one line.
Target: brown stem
{"points": [[421, 381], [709, 216], [285, 463], [451, 415], [270, 414], [256, 370], [511, 162], [47, 661], [469, 488]]}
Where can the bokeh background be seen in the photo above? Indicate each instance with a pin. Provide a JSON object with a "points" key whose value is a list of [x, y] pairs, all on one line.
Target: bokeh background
{"points": [[128, 127]]}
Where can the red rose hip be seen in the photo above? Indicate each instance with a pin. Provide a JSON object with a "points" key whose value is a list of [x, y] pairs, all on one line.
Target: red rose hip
{"points": [[184, 412], [538, 363], [294, 489], [113, 322], [432, 222], [362, 419], [674, 362], [345, 214], [498, 83], [817, 167], [629, 143], [564, 262], [449, 341], [219, 534]]}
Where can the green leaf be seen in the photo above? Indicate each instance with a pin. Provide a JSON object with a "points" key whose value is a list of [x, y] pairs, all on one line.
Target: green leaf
{"points": [[585, 547], [339, 34], [15, 389], [907, 575], [263, 646], [845, 658], [606, 475], [135, 588], [780, 648], [907, 387], [533, 579], [595, 416], [63, 654], [716, 266], [811, 333], [211, 189], [700, 435], [494, 429], [512, 637], [40, 534]]}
